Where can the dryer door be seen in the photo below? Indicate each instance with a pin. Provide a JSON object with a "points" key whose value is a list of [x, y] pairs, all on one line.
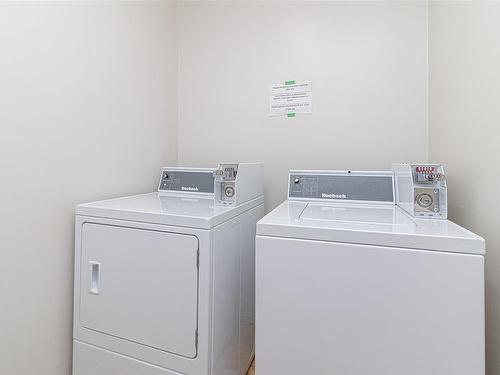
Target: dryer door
{"points": [[141, 286]]}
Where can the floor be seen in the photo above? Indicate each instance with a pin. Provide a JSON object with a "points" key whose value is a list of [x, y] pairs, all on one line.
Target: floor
{"points": [[251, 370]]}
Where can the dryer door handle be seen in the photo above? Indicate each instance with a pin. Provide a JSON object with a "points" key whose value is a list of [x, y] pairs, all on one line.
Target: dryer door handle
{"points": [[95, 276]]}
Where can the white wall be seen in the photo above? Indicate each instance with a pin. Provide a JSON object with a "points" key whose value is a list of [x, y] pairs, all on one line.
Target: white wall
{"points": [[367, 62], [464, 121], [87, 111]]}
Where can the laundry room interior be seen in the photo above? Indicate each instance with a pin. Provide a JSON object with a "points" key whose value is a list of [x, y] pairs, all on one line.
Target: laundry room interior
{"points": [[278, 187]]}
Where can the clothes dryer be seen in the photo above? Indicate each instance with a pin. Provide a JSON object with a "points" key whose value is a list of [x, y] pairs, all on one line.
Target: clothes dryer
{"points": [[164, 282]]}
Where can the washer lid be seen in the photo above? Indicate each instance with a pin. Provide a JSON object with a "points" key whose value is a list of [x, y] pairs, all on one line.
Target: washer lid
{"points": [[178, 210], [360, 214], [367, 224]]}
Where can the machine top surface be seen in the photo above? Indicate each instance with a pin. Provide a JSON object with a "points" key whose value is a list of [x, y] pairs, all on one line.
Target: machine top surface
{"points": [[367, 224], [359, 207], [194, 211]]}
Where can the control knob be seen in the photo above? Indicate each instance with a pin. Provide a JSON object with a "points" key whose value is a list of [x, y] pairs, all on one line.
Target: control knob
{"points": [[229, 191], [425, 200]]}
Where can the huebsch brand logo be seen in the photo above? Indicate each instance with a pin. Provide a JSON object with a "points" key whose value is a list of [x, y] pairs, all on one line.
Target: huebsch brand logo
{"points": [[333, 196], [189, 188]]}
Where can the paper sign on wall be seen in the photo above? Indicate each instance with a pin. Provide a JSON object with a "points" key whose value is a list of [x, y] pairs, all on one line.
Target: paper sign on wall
{"points": [[290, 97]]}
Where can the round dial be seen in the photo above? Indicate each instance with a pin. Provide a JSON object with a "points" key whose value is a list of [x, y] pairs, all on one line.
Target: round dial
{"points": [[229, 191], [424, 200]]}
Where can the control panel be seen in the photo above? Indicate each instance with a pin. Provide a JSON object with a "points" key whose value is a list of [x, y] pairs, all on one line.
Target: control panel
{"points": [[187, 180], [352, 186], [427, 174], [421, 189], [225, 180], [236, 183], [229, 184]]}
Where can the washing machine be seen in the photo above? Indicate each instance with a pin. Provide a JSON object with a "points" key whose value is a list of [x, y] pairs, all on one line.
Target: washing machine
{"points": [[164, 282], [348, 282]]}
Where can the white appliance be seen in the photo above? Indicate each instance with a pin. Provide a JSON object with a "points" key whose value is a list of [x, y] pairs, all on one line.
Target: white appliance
{"points": [[164, 282], [349, 283]]}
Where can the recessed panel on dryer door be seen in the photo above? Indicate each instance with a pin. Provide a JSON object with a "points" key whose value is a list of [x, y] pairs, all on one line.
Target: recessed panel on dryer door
{"points": [[141, 286]]}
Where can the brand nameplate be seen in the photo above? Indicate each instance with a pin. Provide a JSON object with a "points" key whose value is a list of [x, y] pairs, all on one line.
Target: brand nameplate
{"points": [[333, 196]]}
